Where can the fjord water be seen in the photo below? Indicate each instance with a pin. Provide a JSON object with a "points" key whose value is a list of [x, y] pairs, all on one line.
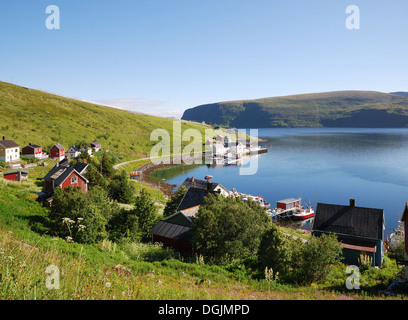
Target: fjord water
{"points": [[328, 165]]}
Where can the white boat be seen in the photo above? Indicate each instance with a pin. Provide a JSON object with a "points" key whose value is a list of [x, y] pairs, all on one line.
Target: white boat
{"points": [[397, 236], [303, 214]]}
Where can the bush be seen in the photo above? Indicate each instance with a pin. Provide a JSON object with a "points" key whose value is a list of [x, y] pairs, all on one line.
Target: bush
{"points": [[227, 229], [81, 217]]}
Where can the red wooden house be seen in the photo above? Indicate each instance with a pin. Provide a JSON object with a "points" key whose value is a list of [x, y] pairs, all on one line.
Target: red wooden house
{"points": [[64, 176], [57, 152], [32, 151]]}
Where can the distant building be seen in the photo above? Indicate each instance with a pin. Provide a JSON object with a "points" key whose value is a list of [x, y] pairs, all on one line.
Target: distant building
{"points": [[96, 146], [9, 151], [359, 229], [73, 152], [32, 151], [57, 152], [203, 184], [16, 175]]}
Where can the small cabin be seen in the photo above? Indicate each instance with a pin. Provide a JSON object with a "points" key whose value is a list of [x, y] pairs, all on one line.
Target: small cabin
{"points": [[289, 203], [16, 175]]}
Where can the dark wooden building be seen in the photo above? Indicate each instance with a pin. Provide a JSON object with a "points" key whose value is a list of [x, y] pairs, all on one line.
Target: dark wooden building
{"points": [[359, 229], [32, 151], [174, 232]]}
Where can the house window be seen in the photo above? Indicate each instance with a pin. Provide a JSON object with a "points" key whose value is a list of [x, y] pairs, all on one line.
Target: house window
{"points": [[74, 180]]}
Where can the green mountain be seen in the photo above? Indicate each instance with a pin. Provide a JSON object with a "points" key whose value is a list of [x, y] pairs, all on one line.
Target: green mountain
{"points": [[32, 116], [329, 109]]}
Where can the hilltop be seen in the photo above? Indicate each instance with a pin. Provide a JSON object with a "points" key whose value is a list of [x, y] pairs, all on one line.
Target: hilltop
{"points": [[33, 116], [328, 109]]}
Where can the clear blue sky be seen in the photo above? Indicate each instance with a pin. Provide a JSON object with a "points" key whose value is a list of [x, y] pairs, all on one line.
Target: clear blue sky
{"points": [[164, 56]]}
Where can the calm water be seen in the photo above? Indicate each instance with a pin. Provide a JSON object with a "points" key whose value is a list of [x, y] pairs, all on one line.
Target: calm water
{"points": [[329, 165]]}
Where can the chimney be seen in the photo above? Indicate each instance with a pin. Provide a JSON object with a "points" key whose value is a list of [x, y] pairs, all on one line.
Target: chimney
{"points": [[209, 184], [352, 203]]}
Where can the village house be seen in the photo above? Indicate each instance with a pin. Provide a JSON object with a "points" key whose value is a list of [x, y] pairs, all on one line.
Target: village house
{"points": [[16, 175], [57, 152], [212, 186], [360, 230], [73, 152], [64, 176], [96, 146], [175, 230], [9, 151], [32, 151]]}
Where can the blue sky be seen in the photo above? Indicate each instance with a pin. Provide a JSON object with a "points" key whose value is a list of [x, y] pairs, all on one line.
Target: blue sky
{"points": [[164, 56]]}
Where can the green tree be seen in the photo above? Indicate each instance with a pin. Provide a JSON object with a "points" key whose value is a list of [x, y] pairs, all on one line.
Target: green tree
{"points": [[120, 189], [106, 165], [81, 217], [172, 204], [274, 251], [317, 256], [134, 224], [226, 228]]}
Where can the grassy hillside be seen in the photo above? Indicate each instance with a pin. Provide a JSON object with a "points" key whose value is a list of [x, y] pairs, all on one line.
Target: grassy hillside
{"points": [[28, 115], [330, 109]]}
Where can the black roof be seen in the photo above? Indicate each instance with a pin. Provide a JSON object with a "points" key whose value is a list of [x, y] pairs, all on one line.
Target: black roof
{"points": [[172, 231], [80, 167], [349, 220], [197, 183], [193, 197], [59, 174]]}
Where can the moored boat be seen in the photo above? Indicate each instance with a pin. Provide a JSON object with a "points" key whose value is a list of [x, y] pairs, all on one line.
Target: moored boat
{"points": [[302, 213]]}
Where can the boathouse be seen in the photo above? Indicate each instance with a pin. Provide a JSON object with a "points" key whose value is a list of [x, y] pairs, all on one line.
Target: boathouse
{"points": [[360, 230]]}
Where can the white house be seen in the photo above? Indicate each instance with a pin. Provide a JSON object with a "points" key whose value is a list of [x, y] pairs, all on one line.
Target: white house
{"points": [[73, 152], [9, 151]]}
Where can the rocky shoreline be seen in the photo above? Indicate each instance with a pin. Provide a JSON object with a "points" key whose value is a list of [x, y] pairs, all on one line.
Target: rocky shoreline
{"points": [[166, 188]]}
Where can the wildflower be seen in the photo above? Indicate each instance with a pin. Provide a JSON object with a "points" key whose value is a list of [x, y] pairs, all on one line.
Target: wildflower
{"points": [[80, 219], [108, 284], [81, 227], [69, 239], [67, 220], [11, 258]]}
